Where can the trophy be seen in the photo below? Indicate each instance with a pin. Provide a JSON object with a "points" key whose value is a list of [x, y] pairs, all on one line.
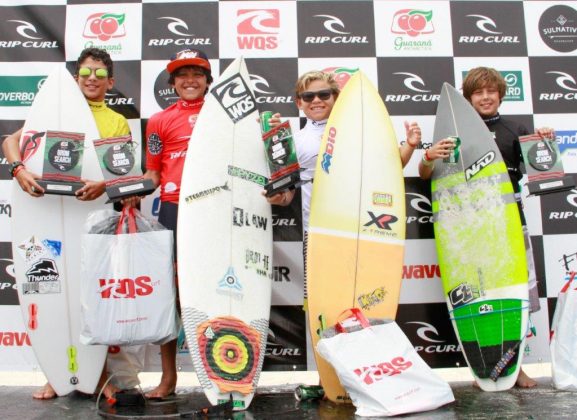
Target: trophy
{"points": [[122, 177], [62, 167], [281, 156], [544, 165]]}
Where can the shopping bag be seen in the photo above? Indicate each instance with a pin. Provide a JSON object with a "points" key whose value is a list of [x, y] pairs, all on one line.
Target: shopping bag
{"points": [[379, 368], [127, 290], [563, 344]]}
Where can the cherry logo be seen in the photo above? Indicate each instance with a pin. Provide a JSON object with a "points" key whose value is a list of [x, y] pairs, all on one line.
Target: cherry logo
{"points": [[104, 26], [413, 22], [341, 75]]}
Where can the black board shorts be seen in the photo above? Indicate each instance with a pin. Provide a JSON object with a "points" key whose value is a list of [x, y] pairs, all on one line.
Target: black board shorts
{"points": [[168, 217]]}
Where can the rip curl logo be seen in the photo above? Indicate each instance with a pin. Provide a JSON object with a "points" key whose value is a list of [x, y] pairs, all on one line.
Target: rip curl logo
{"points": [[235, 97], [125, 288], [24, 27], [375, 373], [331, 23], [104, 26], [176, 25], [30, 143]]}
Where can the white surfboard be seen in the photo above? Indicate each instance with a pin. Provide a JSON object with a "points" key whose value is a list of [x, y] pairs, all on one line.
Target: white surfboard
{"points": [[225, 242], [46, 235]]}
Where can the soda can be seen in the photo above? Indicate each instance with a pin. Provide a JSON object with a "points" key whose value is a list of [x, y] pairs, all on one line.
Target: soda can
{"points": [[264, 124], [456, 152], [313, 392]]}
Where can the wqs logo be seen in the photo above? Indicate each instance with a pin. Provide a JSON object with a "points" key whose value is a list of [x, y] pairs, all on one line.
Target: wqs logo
{"points": [[235, 97]]}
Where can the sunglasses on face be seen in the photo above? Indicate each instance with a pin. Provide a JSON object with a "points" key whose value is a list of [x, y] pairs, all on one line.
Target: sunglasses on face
{"points": [[87, 71], [323, 95]]}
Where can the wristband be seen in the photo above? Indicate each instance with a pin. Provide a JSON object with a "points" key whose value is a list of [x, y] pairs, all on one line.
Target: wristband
{"points": [[18, 169], [14, 165], [426, 161]]}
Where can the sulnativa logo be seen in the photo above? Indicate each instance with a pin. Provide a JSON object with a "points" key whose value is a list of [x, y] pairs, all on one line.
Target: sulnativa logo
{"points": [[19, 90], [558, 28], [235, 97]]}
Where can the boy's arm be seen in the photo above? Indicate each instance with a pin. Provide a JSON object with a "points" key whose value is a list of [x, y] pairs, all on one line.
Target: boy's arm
{"points": [[413, 136], [26, 179], [440, 150]]}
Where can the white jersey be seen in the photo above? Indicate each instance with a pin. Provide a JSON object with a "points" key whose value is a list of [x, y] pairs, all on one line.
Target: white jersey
{"points": [[307, 143]]}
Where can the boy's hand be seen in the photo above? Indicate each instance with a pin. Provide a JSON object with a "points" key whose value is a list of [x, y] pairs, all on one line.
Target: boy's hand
{"points": [[546, 132], [413, 133], [283, 198], [91, 190]]}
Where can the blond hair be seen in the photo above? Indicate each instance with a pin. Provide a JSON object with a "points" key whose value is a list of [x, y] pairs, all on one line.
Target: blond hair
{"points": [[307, 78]]}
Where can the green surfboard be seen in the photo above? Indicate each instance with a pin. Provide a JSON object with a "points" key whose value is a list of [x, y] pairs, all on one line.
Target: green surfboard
{"points": [[480, 247]]}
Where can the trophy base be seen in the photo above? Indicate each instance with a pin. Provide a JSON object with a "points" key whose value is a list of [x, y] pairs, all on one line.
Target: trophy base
{"points": [[139, 187], [551, 185], [60, 187], [285, 182]]}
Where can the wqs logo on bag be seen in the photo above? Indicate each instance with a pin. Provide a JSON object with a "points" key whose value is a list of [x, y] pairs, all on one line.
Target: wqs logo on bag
{"points": [[370, 374], [125, 288]]}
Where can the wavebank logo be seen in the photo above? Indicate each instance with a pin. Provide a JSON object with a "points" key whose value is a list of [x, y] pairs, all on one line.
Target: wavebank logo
{"points": [[566, 140]]}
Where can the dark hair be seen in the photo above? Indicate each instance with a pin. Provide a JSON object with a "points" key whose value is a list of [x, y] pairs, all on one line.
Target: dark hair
{"points": [[98, 55], [206, 72]]}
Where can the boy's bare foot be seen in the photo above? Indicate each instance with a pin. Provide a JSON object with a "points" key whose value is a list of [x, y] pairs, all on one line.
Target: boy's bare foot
{"points": [[45, 393], [163, 390], [524, 381]]}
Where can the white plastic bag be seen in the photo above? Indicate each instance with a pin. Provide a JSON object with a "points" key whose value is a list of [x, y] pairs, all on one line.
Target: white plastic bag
{"points": [[128, 292], [382, 372], [563, 344]]}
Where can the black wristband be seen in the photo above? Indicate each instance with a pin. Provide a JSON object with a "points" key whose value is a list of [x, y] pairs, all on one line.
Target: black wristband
{"points": [[14, 165]]}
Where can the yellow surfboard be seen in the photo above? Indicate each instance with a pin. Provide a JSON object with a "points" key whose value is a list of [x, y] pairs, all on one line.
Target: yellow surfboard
{"points": [[357, 223]]}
